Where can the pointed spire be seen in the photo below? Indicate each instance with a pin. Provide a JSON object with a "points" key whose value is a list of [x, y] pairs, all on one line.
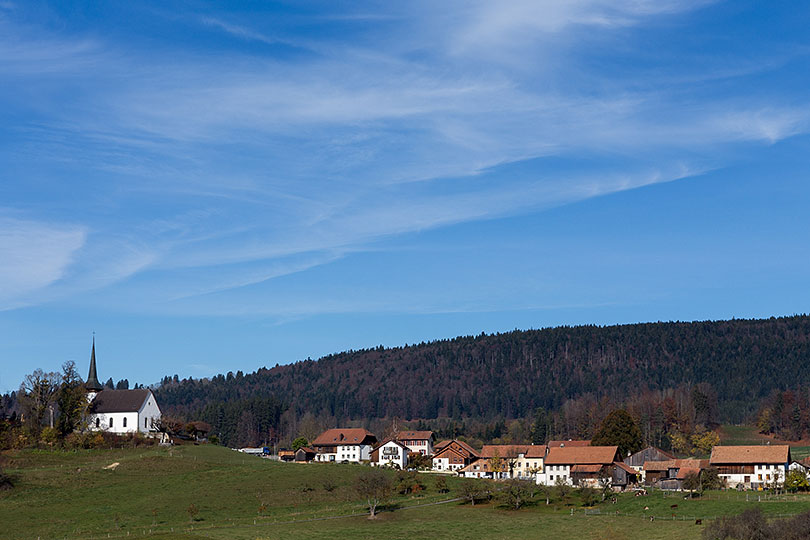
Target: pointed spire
{"points": [[92, 378]]}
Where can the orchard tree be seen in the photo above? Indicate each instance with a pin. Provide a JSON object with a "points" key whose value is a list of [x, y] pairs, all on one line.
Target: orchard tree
{"points": [[619, 429], [515, 493], [375, 487], [796, 481]]}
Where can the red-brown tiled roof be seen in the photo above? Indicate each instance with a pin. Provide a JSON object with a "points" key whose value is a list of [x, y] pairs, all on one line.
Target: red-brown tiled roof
{"points": [[537, 451], [503, 450], [733, 455], [658, 465], [333, 437], [464, 447], [626, 468], [571, 455], [683, 472], [559, 444], [676, 464], [450, 449], [586, 468]]}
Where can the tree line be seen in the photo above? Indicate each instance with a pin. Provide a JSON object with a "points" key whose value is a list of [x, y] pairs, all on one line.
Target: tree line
{"points": [[676, 379]]}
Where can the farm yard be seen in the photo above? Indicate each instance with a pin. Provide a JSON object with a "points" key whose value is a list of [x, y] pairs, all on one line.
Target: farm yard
{"points": [[212, 492]]}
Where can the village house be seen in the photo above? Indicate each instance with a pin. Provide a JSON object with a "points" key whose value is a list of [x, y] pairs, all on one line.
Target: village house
{"points": [[751, 467], [802, 466], [637, 461], [417, 441], [344, 444], [485, 468], [391, 453], [518, 460], [453, 455], [671, 473], [119, 411], [305, 454], [579, 465]]}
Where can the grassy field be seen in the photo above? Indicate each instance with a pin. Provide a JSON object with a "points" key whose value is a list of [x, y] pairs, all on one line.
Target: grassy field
{"points": [[748, 435], [71, 495]]}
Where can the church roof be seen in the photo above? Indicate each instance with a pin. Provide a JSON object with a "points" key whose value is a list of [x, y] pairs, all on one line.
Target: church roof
{"points": [[92, 378], [113, 401]]}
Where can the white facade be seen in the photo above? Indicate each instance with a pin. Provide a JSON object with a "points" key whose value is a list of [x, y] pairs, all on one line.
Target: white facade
{"points": [[142, 420], [354, 453], [526, 467], [763, 475], [550, 474], [443, 464], [796, 466], [424, 446], [392, 453]]}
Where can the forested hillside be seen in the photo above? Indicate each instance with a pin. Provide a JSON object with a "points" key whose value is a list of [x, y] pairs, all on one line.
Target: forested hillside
{"points": [[510, 375]]}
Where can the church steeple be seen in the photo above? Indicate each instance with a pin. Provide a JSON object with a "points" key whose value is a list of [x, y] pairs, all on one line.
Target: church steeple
{"points": [[92, 383]]}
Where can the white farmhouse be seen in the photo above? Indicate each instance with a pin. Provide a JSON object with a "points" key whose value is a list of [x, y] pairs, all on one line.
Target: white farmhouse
{"points": [[350, 444], [391, 453], [751, 466], [578, 465], [119, 411]]}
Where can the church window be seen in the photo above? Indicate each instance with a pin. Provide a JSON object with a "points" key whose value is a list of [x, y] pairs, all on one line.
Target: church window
{"points": [[111, 422], [144, 423], [98, 422], [125, 421]]}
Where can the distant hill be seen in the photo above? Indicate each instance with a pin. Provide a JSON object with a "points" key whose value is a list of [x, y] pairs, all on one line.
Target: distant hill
{"points": [[509, 375]]}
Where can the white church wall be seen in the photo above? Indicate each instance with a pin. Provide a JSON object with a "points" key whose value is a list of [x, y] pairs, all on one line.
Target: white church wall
{"points": [[149, 414]]}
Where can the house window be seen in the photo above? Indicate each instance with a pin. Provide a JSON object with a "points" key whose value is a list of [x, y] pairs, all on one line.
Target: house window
{"points": [[98, 422], [125, 421], [759, 477], [111, 422]]}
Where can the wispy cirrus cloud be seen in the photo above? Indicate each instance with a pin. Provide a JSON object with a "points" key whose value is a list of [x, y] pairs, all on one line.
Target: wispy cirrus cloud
{"points": [[241, 32], [246, 168], [35, 256]]}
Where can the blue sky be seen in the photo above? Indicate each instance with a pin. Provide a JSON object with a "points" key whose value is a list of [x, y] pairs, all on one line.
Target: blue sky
{"points": [[212, 187]]}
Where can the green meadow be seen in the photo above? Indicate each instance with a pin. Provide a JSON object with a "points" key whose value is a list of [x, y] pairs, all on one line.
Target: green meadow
{"points": [[150, 492]]}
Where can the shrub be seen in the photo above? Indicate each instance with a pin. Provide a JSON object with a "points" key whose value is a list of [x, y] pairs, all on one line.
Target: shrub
{"points": [[192, 511]]}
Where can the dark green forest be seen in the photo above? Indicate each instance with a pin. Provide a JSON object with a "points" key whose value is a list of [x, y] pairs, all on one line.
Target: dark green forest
{"points": [[740, 363], [675, 378]]}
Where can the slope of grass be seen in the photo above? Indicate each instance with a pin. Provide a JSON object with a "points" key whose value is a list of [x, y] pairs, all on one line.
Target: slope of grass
{"points": [[71, 495]]}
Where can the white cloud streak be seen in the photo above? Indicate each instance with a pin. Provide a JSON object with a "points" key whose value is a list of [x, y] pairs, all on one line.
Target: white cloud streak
{"points": [[275, 168], [35, 256]]}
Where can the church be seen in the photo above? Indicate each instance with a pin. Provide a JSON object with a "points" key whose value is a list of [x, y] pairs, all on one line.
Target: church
{"points": [[119, 411]]}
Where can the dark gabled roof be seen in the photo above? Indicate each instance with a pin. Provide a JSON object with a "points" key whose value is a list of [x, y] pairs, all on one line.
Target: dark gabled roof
{"points": [[112, 401]]}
